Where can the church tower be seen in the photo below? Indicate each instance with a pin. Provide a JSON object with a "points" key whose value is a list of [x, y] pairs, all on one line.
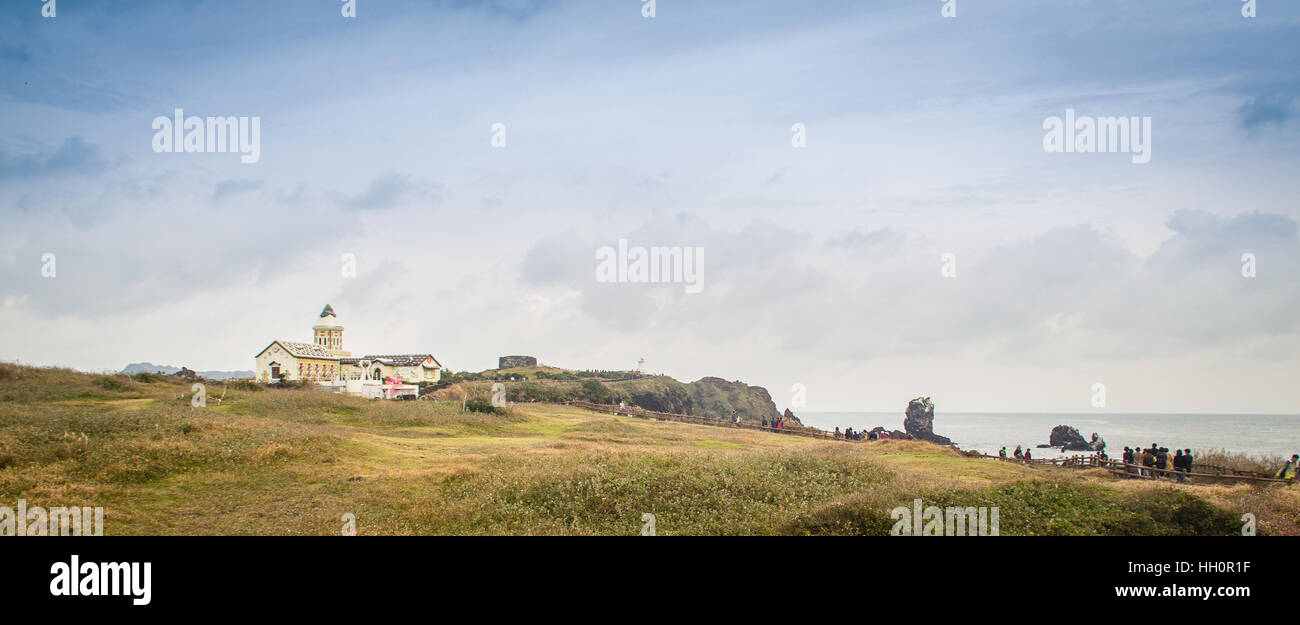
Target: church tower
{"points": [[329, 330]]}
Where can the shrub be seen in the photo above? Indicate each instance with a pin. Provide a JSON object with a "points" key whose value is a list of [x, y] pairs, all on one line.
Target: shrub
{"points": [[596, 392], [245, 385], [112, 384], [482, 404]]}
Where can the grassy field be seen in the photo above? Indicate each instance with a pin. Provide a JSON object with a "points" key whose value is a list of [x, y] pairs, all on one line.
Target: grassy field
{"points": [[295, 461]]}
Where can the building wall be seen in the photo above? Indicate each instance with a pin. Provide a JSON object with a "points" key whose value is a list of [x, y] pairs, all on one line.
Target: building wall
{"points": [[329, 339], [414, 375], [316, 369], [507, 362], [290, 366]]}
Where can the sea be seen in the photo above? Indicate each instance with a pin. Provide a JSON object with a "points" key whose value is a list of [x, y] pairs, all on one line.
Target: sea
{"points": [[1253, 434]]}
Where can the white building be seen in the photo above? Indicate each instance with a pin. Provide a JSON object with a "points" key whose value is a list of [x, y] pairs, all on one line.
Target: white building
{"points": [[324, 360]]}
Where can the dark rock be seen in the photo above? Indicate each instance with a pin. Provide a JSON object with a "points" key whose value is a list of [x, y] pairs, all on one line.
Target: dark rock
{"points": [[1068, 438], [894, 434], [919, 421], [789, 416]]}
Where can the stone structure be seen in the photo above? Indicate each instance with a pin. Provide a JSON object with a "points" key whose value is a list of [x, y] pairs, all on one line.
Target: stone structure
{"points": [[508, 362], [919, 421]]}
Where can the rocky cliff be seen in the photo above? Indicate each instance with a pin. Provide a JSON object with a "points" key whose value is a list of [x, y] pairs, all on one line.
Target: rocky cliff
{"points": [[720, 398], [919, 421]]}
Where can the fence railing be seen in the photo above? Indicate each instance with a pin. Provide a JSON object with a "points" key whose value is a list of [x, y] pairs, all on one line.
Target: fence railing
{"points": [[1121, 469]]}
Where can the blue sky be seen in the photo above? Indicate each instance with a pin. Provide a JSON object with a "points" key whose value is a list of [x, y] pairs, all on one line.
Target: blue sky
{"points": [[924, 137]]}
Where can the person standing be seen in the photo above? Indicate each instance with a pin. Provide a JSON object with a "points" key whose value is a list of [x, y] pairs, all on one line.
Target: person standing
{"points": [[1288, 470]]}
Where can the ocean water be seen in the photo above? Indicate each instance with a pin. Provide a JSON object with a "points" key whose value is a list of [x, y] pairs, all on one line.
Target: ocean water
{"points": [[986, 432]]}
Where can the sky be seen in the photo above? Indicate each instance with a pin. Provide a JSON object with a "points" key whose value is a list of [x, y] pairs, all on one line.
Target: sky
{"points": [[920, 241]]}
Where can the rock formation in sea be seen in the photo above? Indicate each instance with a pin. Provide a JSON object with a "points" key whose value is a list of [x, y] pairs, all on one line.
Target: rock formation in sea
{"points": [[919, 421], [1068, 438], [789, 416]]}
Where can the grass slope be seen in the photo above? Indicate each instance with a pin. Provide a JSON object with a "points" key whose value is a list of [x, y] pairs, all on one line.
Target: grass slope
{"points": [[294, 461]]}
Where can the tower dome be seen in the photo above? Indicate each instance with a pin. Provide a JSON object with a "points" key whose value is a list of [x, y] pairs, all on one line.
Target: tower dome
{"points": [[328, 330]]}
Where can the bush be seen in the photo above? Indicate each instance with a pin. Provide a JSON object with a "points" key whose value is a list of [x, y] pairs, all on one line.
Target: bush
{"points": [[292, 385], [596, 392], [245, 385], [146, 377], [112, 384], [482, 404]]}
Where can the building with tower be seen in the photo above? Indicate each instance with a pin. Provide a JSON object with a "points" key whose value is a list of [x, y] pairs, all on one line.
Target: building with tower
{"points": [[325, 360]]}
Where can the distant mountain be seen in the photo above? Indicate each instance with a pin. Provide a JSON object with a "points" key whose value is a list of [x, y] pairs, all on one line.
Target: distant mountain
{"points": [[149, 367]]}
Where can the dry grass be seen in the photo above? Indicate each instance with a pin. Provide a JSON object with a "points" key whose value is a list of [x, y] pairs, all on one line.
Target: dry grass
{"points": [[1236, 461], [293, 462]]}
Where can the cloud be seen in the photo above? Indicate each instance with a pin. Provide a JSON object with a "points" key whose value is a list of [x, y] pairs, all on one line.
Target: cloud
{"points": [[74, 156], [1266, 109], [388, 190], [517, 10], [227, 188]]}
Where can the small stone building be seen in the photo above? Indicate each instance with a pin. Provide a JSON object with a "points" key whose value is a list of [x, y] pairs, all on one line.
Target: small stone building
{"points": [[507, 362]]}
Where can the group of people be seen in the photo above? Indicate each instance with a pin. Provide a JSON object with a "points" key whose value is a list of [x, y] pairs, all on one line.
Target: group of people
{"points": [[850, 434], [776, 424], [1155, 461], [1022, 455]]}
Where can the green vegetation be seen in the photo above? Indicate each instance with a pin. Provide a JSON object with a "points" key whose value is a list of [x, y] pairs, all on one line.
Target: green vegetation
{"points": [[271, 460], [712, 397]]}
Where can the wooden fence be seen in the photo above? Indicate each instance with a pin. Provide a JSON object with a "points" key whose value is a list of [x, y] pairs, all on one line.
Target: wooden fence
{"points": [[1118, 468]]}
